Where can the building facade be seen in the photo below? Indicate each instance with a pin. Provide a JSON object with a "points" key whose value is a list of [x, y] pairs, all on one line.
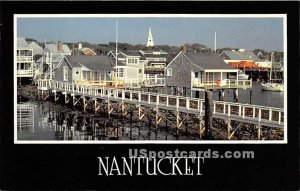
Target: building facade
{"points": [[192, 72], [24, 59]]}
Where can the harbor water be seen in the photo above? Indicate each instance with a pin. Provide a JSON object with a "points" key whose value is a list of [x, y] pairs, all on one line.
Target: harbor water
{"points": [[44, 120]]}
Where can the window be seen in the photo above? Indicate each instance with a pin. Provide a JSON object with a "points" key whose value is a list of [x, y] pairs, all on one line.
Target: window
{"points": [[140, 71], [196, 74], [169, 71], [120, 72], [96, 75], [132, 60], [65, 71]]}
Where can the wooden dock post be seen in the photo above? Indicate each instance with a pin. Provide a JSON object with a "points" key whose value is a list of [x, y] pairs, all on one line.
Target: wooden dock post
{"points": [[229, 129], [200, 127], [258, 131], [221, 95], [84, 104], [208, 115], [235, 95], [250, 96]]}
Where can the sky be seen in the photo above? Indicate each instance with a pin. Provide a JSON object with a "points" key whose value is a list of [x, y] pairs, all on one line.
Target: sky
{"points": [[244, 33]]}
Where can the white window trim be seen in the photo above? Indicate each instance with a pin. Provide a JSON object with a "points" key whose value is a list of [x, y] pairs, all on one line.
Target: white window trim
{"points": [[169, 72], [65, 71]]}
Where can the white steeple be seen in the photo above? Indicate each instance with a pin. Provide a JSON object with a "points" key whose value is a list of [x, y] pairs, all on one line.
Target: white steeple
{"points": [[150, 39]]}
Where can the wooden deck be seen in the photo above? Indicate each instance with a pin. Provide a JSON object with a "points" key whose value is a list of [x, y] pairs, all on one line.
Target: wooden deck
{"points": [[245, 113]]}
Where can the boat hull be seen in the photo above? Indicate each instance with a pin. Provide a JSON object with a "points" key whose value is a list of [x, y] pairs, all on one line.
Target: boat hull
{"points": [[243, 77], [275, 87]]}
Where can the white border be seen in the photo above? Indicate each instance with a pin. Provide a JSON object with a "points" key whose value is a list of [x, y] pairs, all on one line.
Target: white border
{"points": [[283, 16]]}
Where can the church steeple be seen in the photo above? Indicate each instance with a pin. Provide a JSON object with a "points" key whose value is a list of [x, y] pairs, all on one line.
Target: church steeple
{"points": [[150, 42]]}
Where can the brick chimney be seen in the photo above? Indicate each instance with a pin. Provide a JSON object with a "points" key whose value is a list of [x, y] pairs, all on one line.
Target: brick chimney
{"points": [[183, 49], [59, 46]]}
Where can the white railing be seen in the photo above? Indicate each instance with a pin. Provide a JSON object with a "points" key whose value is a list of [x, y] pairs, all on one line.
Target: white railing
{"points": [[24, 58], [44, 84], [268, 116], [227, 83], [154, 81], [25, 73], [155, 67]]}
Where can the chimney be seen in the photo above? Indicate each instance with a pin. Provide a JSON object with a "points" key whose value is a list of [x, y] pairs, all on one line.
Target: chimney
{"points": [[183, 49], [59, 45], [79, 46]]}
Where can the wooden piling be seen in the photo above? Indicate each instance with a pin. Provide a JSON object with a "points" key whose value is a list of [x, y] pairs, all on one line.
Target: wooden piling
{"points": [[235, 95], [208, 115]]}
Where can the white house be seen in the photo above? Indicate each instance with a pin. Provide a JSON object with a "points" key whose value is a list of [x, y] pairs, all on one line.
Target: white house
{"points": [[24, 58]]}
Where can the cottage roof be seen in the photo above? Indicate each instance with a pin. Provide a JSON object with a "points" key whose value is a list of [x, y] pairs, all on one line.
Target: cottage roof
{"points": [[53, 47], [37, 49], [207, 60], [35, 46], [112, 54], [241, 55], [55, 58], [100, 62], [22, 44], [153, 52], [131, 53]]}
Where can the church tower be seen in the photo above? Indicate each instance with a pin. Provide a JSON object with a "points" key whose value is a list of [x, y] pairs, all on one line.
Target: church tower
{"points": [[150, 39]]}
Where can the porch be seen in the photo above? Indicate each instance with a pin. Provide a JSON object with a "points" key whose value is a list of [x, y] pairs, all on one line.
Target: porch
{"points": [[154, 81], [216, 80]]}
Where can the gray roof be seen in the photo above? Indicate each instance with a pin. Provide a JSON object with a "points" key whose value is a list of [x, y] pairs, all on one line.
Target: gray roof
{"points": [[132, 53], [55, 58], [154, 51], [22, 44], [240, 55], [207, 60], [54, 48], [34, 45], [37, 49], [100, 62]]}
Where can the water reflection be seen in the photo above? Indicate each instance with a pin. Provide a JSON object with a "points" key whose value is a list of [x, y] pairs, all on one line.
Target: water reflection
{"points": [[46, 121]]}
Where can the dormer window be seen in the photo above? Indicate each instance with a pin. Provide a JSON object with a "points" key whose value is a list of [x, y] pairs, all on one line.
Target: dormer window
{"points": [[132, 61]]}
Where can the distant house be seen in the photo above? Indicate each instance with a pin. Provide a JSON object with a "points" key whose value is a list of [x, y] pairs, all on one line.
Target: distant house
{"points": [[24, 58], [83, 51], [129, 67], [196, 71], [92, 70], [52, 54], [244, 59], [88, 52], [141, 68], [45, 64], [57, 48], [156, 62]]}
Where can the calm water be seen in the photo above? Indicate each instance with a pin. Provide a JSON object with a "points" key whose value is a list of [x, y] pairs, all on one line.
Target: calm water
{"points": [[46, 121]]}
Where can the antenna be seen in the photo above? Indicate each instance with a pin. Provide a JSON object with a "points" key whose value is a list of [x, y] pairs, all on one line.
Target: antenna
{"points": [[215, 42], [116, 49]]}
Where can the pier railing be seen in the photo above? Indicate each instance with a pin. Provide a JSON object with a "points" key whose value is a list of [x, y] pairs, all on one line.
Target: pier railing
{"points": [[256, 114]]}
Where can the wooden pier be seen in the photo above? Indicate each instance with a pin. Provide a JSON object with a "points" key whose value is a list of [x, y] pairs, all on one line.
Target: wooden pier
{"points": [[159, 105]]}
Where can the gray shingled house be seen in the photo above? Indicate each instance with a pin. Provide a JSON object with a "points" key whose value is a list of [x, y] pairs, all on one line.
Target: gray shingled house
{"points": [[192, 72], [84, 69]]}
